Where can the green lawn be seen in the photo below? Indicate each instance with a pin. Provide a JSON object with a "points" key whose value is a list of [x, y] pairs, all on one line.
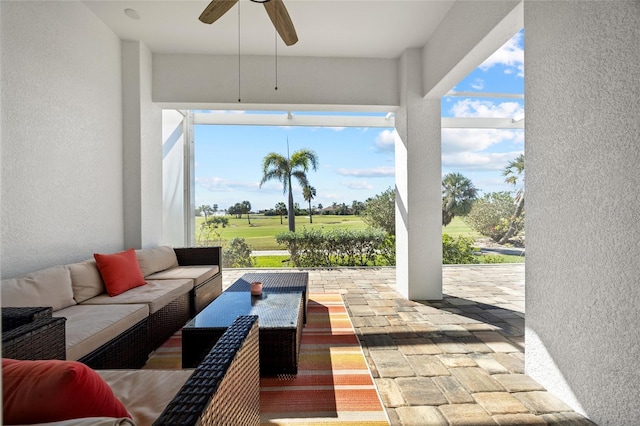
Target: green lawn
{"points": [[260, 235], [459, 227]]}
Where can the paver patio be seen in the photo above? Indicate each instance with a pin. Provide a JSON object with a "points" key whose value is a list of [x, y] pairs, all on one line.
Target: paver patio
{"points": [[459, 361]]}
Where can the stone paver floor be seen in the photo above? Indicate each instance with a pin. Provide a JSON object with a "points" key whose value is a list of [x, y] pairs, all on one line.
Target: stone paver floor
{"points": [[458, 361]]}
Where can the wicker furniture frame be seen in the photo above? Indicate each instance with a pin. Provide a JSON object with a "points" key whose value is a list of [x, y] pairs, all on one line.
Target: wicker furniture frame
{"points": [[225, 387], [128, 350], [205, 292], [280, 329], [278, 282], [32, 333]]}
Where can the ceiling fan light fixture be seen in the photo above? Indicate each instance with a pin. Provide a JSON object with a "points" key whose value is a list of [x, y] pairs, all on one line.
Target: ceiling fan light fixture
{"points": [[260, 1], [132, 13]]}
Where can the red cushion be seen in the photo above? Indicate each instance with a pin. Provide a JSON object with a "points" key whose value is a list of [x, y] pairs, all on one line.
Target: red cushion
{"points": [[120, 271], [52, 390]]}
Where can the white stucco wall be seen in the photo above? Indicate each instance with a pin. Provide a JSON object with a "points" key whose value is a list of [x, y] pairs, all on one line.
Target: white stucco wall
{"points": [[142, 145], [339, 82], [61, 136], [173, 178], [582, 89]]}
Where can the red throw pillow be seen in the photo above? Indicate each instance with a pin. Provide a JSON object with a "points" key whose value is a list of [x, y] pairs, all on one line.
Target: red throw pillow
{"points": [[52, 390], [120, 271]]}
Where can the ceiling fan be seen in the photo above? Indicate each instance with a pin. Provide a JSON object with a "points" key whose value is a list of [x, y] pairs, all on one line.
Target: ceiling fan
{"points": [[275, 9]]}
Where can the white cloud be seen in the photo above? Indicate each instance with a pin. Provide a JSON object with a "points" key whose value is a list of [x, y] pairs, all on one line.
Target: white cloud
{"points": [[385, 141], [372, 172], [511, 55], [478, 161], [487, 109], [226, 185], [475, 140], [358, 185], [478, 84]]}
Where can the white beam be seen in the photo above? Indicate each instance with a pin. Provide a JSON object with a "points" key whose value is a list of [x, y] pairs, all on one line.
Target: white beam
{"points": [[482, 123], [295, 120]]}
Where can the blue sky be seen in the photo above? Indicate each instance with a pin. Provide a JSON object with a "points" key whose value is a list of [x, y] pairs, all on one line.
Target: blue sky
{"points": [[358, 163]]}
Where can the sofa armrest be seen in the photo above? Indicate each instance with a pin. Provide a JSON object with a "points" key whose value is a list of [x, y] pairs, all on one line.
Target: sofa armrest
{"points": [[42, 338], [199, 256], [225, 387], [13, 317]]}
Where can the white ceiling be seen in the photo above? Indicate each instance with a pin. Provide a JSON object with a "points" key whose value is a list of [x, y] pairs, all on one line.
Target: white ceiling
{"points": [[333, 28]]}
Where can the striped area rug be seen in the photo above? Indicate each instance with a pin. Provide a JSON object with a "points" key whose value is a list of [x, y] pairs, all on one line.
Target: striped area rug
{"points": [[333, 385]]}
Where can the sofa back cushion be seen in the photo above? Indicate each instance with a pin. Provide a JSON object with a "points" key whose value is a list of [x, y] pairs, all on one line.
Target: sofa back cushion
{"points": [[156, 259], [47, 287], [86, 281]]}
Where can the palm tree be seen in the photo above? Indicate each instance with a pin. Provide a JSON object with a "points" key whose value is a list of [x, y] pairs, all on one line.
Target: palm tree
{"points": [[458, 194], [514, 173], [276, 166], [309, 192], [281, 209], [246, 208]]}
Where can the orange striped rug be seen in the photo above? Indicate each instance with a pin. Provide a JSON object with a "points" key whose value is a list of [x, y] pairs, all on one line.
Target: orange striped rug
{"points": [[333, 385]]}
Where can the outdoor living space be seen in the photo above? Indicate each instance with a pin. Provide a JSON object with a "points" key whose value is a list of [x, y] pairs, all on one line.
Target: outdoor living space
{"points": [[459, 361]]}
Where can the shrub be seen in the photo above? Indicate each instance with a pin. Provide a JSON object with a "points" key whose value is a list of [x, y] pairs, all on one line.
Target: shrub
{"points": [[237, 254], [337, 247], [492, 214], [380, 211], [457, 251]]}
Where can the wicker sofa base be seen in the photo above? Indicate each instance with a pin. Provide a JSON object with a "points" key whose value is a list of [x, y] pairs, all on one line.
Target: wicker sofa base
{"points": [[128, 350], [166, 321], [205, 293]]}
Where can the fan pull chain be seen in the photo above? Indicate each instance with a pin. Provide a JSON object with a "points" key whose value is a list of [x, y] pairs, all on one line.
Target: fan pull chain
{"points": [[239, 100], [276, 38]]}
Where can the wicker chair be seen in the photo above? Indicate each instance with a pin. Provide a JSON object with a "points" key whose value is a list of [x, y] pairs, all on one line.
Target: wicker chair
{"points": [[225, 388], [32, 333]]}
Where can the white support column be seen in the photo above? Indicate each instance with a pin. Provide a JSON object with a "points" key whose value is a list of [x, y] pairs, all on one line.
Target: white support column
{"points": [[142, 149], [418, 187]]}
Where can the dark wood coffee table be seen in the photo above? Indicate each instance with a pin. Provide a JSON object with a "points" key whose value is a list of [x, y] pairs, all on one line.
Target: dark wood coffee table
{"points": [[279, 323]]}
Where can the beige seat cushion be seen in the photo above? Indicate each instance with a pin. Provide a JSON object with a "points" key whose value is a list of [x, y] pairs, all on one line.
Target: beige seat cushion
{"points": [[90, 326], [47, 287], [132, 387], [197, 273], [156, 259], [86, 280], [157, 294]]}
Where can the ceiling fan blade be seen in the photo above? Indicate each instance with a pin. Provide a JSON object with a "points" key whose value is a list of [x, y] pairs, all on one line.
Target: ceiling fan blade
{"points": [[215, 10], [282, 21]]}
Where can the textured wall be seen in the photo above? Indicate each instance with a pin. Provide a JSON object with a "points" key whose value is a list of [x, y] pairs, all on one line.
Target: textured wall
{"points": [[583, 133], [142, 145], [418, 174], [301, 81], [61, 136]]}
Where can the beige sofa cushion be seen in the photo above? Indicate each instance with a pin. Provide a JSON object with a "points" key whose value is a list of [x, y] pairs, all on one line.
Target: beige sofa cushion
{"points": [[132, 389], [156, 294], [156, 259], [197, 273], [47, 287], [86, 280], [89, 326]]}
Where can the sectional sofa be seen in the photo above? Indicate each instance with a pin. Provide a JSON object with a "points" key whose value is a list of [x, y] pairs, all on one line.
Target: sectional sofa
{"points": [[111, 332]]}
